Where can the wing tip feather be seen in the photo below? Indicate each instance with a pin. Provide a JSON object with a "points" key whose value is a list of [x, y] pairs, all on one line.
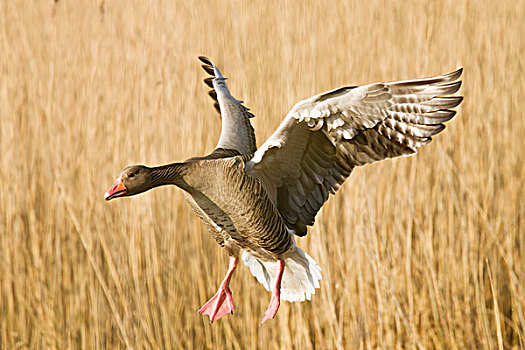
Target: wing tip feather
{"points": [[433, 80], [205, 60], [452, 76], [209, 82], [450, 88], [453, 101], [209, 69]]}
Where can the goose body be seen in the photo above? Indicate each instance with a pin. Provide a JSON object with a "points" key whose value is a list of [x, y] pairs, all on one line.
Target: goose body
{"points": [[237, 209], [255, 201]]}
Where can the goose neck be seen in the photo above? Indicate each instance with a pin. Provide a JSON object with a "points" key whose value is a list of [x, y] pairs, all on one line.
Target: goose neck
{"points": [[169, 174]]}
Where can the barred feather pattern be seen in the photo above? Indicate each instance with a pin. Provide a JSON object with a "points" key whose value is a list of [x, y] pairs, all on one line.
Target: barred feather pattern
{"points": [[324, 137], [236, 207], [237, 131]]}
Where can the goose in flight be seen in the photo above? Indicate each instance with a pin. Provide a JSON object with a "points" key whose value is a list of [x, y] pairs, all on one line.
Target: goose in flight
{"points": [[255, 201]]}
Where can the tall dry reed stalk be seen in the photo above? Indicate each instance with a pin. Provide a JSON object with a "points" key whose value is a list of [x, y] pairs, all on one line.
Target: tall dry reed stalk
{"points": [[420, 252]]}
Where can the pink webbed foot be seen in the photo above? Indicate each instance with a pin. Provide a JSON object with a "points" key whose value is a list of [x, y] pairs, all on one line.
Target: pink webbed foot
{"points": [[222, 302], [275, 301], [272, 308], [219, 305]]}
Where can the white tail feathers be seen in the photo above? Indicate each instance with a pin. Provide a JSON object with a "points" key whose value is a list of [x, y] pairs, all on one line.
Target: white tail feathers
{"points": [[300, 278]]}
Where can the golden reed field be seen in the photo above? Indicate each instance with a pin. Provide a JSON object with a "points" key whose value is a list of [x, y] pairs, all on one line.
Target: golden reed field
{"points": [[422, 252]]}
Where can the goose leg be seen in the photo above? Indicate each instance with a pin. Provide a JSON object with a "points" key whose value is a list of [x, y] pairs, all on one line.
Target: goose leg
{"points": [[275, 301], [222, 302]]}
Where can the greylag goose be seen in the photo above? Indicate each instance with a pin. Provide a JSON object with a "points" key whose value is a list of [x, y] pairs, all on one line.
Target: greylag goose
{"points": [[255, 201]]}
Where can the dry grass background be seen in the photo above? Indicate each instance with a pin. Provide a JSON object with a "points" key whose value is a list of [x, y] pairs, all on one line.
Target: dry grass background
{"points": [[420, 252]]}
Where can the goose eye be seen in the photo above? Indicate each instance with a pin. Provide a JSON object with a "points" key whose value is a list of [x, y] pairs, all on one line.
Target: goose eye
{"points": [[131, 175]]}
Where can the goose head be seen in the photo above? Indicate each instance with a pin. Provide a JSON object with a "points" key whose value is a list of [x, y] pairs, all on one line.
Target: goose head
{"points": [[132, 180]]}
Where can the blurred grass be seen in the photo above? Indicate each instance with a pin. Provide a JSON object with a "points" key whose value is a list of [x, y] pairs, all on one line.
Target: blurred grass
{"points": [[420, 252]]}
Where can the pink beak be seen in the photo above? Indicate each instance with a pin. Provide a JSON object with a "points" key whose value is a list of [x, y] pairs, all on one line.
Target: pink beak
{"points": [[117, 190]]}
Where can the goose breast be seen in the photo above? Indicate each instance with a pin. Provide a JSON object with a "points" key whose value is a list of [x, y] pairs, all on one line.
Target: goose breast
{"points": [[236, 208]]}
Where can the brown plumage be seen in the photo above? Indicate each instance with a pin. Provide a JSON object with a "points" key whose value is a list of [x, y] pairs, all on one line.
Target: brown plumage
{"points": [[239, 213], [255, 200]]}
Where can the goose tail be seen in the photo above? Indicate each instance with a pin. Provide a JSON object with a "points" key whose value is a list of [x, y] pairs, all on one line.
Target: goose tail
{"points": [[300, 278]]}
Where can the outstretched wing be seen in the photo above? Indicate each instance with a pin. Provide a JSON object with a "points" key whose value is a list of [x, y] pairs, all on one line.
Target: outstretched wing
{"points": [[323, 138], [237, 131]]}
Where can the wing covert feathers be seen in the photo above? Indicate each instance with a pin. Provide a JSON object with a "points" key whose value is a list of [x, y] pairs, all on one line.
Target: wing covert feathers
{"points": [[324, 137]]}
